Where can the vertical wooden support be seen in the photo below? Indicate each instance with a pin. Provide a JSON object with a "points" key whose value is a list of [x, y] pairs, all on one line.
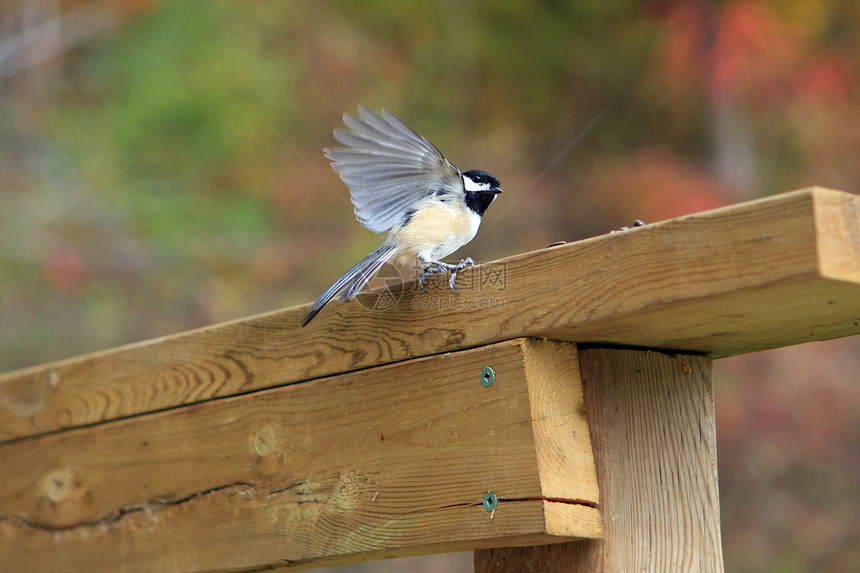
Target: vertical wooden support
{"points": [[651, 417]]}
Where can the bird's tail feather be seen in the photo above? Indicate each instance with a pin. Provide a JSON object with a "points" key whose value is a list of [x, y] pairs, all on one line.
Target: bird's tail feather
{"points": [[366, 273], [352, 280]]}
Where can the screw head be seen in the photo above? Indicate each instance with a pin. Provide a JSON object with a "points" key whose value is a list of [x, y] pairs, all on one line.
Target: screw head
{"points": [[487, 377], [490, 501]]}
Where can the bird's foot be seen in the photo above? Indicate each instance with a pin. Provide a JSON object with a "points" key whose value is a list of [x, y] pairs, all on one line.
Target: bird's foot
{"points": [[456, 269], [431, 270], [440, 267]]}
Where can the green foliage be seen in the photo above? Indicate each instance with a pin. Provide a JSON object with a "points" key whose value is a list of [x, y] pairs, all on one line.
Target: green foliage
{"points": [[180, 96]]}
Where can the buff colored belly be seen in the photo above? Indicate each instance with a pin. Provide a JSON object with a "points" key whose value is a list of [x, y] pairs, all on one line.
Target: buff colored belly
{"points": [[435, 231]]}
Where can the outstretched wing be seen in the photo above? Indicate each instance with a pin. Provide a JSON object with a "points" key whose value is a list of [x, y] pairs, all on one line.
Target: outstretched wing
{"points": [[388, 167]]}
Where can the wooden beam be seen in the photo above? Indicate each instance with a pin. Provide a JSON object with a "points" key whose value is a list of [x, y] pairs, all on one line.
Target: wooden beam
{"points": [[389, 461], [654, 439], [772, 272]]}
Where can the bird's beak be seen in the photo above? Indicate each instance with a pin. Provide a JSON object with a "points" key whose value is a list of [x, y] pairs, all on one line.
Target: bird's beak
{"points": [[496, 190]]}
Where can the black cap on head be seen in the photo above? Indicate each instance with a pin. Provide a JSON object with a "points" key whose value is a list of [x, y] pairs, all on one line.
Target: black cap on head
{"points": [[482, 179], [481, 190]]}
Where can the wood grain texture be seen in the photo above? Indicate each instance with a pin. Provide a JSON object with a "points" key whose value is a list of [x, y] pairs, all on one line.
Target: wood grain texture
{"points": [[773, 272], [389, 461], [654, 439]]}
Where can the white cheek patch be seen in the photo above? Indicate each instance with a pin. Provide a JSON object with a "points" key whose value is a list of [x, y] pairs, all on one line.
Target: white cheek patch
{"points": [[472, 186]]}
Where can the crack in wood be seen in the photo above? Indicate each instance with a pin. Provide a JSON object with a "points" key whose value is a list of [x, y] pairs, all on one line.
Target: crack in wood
{"points": [[118, 514], [289, 486], [574, 501], [463, 504], [570, 501]]}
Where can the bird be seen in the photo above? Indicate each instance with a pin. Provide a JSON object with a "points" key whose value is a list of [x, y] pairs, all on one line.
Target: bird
{"points": [[400, 184]]}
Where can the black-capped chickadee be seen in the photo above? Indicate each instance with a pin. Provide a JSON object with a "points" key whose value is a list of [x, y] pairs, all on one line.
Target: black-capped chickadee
{"points": [[402, 185]]}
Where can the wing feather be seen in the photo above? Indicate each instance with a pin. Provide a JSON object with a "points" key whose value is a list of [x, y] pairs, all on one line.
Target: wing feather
{"points": [[388, 167]]}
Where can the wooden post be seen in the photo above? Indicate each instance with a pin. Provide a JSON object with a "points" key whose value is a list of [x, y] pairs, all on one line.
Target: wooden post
{"points": [[651, 417]]}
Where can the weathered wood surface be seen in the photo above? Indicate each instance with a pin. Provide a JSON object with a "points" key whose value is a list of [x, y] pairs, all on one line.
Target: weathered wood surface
{"points": [[388, 461], [772, 272], [654, 440]]}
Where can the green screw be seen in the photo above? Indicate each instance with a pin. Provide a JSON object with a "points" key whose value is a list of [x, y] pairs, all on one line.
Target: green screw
{"points": [[490, 501], [487, 377]]}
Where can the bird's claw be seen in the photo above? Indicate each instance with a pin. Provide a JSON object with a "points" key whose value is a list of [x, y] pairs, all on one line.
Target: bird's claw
{"points": [[429, 270], [456, 269], [444, 267]]}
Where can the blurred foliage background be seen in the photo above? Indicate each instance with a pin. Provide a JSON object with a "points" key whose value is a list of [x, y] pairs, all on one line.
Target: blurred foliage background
{"points": [[161, 169]]}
